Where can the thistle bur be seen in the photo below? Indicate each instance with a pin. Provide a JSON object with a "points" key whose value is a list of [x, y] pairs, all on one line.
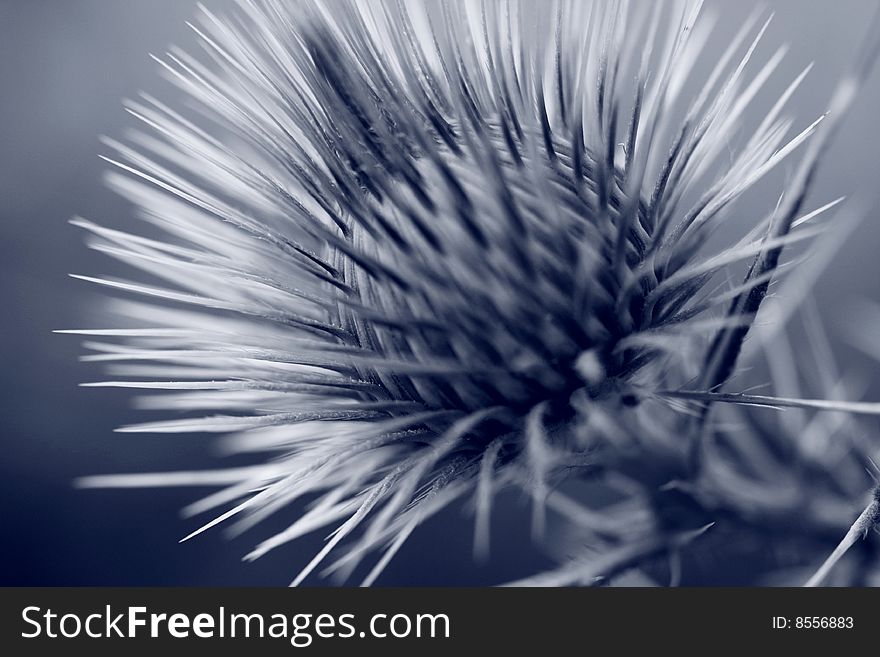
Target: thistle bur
{"points": [[417, 252]]}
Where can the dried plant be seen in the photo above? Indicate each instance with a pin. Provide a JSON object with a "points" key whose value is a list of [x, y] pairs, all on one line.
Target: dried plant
{"points": [[408, 254]]}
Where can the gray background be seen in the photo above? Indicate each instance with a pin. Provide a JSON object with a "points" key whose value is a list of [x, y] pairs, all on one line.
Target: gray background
{"points": [[65, 65]]}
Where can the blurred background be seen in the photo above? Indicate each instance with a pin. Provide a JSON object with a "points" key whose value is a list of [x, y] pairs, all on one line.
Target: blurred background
{"points": [[65, 66]]}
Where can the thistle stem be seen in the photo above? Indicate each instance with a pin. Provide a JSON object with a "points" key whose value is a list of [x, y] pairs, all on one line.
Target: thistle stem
{"points": [[863, 524]]}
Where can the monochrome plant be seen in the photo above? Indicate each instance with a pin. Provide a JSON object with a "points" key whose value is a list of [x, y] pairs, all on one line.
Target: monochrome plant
{"points": [[410, 254]]}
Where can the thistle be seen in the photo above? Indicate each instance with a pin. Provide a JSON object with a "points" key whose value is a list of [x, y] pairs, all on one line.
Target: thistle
{"points": [[410, 254]]}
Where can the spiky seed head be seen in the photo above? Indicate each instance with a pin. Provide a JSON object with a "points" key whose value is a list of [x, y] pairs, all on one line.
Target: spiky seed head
{"points": [[416, 251]]}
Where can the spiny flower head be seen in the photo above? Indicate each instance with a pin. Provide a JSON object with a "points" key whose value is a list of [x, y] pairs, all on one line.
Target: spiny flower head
{"points": [[417, 251]]}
